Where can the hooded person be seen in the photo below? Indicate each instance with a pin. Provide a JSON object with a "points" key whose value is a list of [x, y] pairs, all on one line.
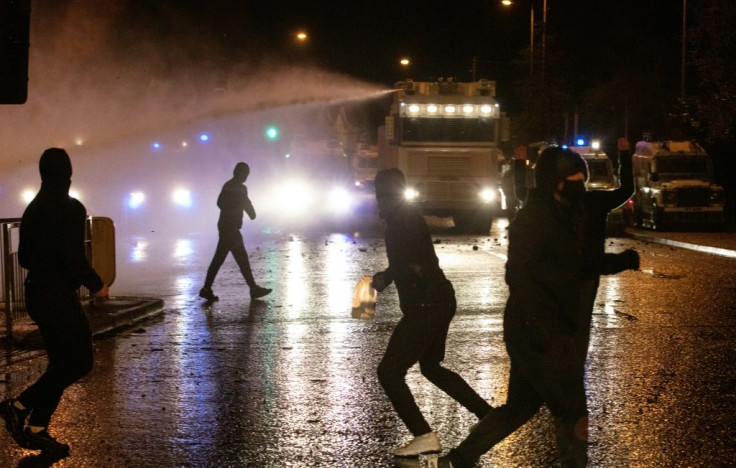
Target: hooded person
{"points": [[544, 273], [51, 248], [427, 302], [233, 201]]}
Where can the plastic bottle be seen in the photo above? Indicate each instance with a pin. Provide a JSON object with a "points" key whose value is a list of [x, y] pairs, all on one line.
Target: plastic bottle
{"points": [[364, 300]]}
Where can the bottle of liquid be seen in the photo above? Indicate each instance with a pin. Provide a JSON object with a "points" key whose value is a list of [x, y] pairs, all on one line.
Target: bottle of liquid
{"points": [[364, 300]]}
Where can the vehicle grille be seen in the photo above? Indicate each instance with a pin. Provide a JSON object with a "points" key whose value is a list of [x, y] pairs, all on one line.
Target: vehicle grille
{"points": [[450, 191], [448, 166], [693, 196]]}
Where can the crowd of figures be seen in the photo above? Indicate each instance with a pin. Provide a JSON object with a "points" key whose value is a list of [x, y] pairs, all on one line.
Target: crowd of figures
{"points": [[555, 258]]}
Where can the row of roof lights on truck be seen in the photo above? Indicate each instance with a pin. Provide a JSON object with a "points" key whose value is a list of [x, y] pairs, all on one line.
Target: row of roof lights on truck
{"points": [[450, 109]]}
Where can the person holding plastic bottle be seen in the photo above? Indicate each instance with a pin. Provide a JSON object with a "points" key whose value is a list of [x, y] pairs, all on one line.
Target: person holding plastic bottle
{"points": [[427, 301]]}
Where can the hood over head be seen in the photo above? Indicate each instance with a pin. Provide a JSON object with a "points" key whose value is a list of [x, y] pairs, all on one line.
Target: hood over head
{"points": [[55, 166], [554, 165], [390, 185], [241, 171]]}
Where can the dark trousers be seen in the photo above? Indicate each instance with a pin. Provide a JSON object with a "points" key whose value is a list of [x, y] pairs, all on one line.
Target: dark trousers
{"points": [[231, 241], [68, 340], [420, 337], [555, 378]]}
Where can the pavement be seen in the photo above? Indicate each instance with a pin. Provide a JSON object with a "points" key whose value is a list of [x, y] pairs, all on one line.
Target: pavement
{"points": [[291, 380], [125, 311], [117, 313]]}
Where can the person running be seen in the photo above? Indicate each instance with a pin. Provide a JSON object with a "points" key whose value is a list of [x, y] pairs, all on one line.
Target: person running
{"points": [[545, 272], [51, 248], [427, 301], [232, 201]]}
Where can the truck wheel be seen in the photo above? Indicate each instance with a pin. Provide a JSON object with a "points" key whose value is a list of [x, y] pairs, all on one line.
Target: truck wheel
{"points": [[474, 222], [482, 224], [462, 222]]}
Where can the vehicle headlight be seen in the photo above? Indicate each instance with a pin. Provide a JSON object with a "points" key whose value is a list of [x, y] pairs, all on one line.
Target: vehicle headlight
{"points": [[28, 195], [136, 199], [411, 194], [293, 198], [182, 197], [487, 195], [339, 200]]}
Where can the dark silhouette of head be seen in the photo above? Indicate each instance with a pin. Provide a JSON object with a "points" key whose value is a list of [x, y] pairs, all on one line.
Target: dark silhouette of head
{"points": [[555, 165], [241, 171], [390, 185], [55, 166]]}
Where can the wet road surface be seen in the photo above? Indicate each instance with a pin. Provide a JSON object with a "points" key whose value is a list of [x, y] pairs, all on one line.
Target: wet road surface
{"points": [[290, 380]]}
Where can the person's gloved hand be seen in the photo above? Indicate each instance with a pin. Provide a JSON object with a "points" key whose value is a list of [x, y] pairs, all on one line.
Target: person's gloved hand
{"points": [[380, 281]]}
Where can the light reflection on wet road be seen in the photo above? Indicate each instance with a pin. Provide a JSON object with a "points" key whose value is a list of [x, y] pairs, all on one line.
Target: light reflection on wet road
{"points": [[290, 381]]}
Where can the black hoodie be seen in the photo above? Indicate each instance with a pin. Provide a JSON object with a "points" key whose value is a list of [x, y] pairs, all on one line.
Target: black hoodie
{"points": [[51, 244]]}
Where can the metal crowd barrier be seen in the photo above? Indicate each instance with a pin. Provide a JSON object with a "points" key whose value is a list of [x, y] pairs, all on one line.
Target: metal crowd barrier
{"points": [[100, 250]]}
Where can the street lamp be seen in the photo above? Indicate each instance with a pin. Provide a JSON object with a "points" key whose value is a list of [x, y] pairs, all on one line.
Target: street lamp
{"points": [[301, 36], [531, 34]]}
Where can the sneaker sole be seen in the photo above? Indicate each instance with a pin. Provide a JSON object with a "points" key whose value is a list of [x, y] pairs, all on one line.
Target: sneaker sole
{"points": [[426, 452]]}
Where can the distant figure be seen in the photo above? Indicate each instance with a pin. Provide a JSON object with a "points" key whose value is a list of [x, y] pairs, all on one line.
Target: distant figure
{"points": [[233, 200], [51, 248], [427, 302], [545, 272]]}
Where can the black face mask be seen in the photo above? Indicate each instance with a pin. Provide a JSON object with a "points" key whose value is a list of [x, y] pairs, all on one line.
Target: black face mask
{"points": [[573, 191]]}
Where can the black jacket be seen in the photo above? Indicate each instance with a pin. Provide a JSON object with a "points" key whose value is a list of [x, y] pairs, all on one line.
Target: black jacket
{"points": [[232, 201], [544, 271], [51, 243], [413, 263]]}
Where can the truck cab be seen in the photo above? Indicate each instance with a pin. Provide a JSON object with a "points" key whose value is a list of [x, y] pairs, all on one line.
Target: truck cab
{"points": [[675, 187], [444, 137]]}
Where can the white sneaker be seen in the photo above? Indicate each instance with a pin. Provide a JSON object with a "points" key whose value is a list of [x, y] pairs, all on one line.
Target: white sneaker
{"points": [[425, 443]]}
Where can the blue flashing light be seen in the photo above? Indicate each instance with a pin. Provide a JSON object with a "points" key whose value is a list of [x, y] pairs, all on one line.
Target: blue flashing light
{"points": [[204, 137], [156, 145], [564, 146], [580, 142]]}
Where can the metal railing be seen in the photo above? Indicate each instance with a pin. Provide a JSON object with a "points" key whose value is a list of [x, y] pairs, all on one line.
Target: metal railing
{"points": [[100, 250], [12, 301]]}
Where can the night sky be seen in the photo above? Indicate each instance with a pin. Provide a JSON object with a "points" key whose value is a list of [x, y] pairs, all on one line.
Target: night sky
{"points": [[366, 39], [106, 69]]}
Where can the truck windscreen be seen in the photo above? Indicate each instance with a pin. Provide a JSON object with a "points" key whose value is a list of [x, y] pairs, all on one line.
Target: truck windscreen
{"points": [[683, 166], [599, 171], [447, 130]]}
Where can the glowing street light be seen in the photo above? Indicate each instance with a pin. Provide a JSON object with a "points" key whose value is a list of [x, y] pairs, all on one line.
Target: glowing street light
{"points": [[301, 36], [405, 62]]}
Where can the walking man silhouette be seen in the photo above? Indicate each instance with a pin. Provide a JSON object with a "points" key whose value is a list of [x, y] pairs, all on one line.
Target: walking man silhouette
{"points": [[233, 201]]}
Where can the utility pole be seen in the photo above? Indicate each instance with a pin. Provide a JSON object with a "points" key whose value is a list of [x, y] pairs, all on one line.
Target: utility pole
{"points": [[684, 49]]}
